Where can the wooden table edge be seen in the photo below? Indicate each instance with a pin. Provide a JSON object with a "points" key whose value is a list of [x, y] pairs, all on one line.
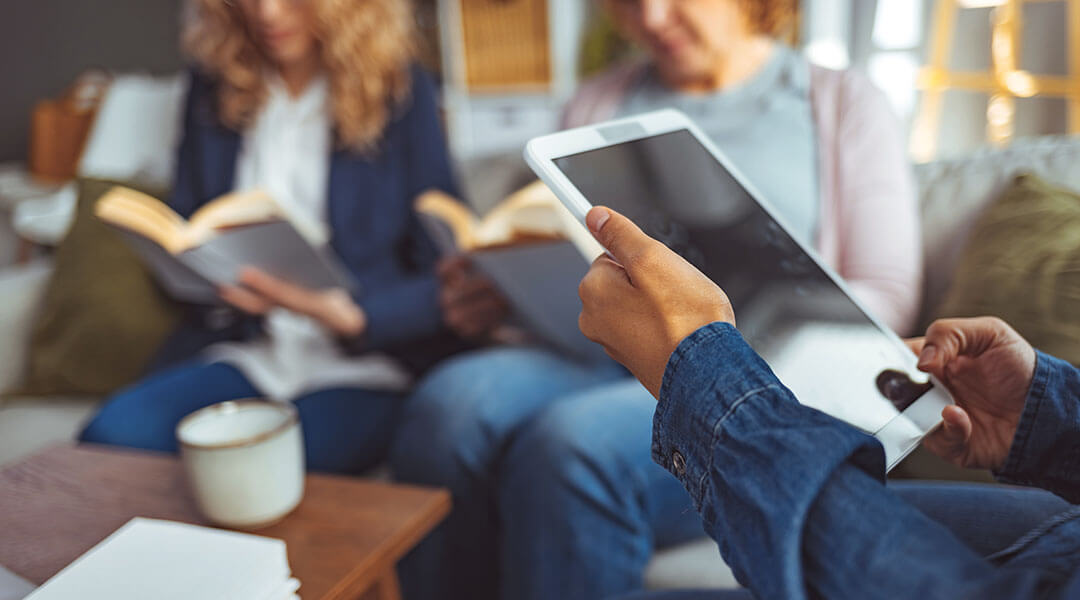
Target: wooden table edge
{"points": [[366, 576], [369, 572]]}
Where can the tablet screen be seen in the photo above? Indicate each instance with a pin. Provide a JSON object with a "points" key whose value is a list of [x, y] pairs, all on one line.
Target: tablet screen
{"points": [[818, 342]]}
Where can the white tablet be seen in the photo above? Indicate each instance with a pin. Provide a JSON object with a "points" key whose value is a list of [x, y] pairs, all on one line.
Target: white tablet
{"points": [[659, 170]]}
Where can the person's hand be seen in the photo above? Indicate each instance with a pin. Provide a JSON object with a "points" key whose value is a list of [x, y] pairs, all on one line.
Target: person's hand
{"points": [[333, 308], [642, 304], [988, 368], [471, 305]]}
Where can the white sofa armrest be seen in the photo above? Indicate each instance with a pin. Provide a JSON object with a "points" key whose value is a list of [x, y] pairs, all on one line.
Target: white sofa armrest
{"points": [[46, 220], [21, 290]]}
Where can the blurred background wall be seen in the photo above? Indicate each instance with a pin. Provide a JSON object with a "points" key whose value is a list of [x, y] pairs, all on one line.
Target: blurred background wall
{"points": [[45, 44], [890, 40]]}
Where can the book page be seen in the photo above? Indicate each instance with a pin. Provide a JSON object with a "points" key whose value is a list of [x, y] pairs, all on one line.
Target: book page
{"points": [[147, 558], [145, 215], [534, 211], [13, 587], [531, 211], [233, 210], [458, 223]]}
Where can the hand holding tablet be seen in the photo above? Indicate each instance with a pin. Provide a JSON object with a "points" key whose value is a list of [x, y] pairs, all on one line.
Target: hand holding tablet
{"points": [[640, 305], [660, 172], [989, 368]]}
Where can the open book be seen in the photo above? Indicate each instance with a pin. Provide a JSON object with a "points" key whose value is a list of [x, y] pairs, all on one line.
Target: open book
{"points": [[191, 258], [532, 248]]}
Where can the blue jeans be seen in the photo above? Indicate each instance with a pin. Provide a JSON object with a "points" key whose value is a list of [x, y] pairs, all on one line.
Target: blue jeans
{"points": [[555, 493], [987, 518], [346, 430]]}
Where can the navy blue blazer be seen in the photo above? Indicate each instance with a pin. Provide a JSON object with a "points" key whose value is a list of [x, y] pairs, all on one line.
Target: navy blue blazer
{"points": [[375, 231]]}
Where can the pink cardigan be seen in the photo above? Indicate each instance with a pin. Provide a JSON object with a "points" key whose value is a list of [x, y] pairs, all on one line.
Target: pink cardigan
{"points": [[869, 224]]}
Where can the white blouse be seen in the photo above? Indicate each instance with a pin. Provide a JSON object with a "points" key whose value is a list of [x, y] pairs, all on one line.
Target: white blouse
{"points": [[287, 153]]}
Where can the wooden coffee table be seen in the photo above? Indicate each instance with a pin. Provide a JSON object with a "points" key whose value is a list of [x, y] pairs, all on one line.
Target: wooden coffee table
{"points": [[344, 539]]}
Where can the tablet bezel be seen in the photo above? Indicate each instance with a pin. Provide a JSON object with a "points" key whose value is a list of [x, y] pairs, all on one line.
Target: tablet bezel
{"points": [[897, 436]]}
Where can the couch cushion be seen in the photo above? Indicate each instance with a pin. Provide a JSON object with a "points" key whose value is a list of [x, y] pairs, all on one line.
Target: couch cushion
{"points": [[953, 193], [137, 130], [102, 316], [21, 288], [695, 564], [30, 424], [1022, 264]]}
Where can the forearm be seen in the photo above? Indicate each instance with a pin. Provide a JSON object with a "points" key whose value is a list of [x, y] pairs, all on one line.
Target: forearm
{"points": [[794, 498], [861, 541], [406, 311], [1045, 451], [752, 458]]}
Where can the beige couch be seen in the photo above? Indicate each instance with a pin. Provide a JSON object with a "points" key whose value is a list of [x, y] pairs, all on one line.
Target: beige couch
{"points": [[120, 146], [952, 194]]}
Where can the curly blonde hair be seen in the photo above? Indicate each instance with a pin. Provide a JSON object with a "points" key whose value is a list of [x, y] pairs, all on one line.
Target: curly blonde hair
{"points": [[770, 17], [366, 48]]}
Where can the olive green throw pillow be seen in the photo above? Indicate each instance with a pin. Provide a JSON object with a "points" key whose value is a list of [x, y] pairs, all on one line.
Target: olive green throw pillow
{"points": [[1022, 263], [102, 317]]}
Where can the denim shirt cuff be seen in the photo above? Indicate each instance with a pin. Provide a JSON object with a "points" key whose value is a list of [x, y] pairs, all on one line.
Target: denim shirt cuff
{"points": [[689, 413], [1039, 455]]}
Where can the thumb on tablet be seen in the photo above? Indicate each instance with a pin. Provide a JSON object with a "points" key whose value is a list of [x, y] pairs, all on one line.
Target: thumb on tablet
{"points": [[624, 240]]}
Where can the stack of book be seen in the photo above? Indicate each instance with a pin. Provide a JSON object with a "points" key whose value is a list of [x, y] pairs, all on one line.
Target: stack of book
{"points": [[147, 558]]}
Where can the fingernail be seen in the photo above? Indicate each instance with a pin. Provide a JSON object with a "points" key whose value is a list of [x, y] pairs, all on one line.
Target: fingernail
{"points": [[929, 354], [596, 219]]}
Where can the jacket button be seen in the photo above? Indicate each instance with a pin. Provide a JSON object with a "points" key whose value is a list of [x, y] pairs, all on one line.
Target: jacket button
{"points": [[678, 462]]}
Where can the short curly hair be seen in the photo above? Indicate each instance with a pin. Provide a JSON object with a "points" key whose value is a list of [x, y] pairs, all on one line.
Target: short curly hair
{"points": [[770, 17]]}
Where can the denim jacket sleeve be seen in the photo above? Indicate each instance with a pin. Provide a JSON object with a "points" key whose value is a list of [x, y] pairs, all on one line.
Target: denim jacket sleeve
{"points": [[795, 498], [1046, 449]]}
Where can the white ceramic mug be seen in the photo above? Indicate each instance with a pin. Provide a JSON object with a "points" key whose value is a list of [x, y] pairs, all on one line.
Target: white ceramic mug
{"points": [[245, 461]]}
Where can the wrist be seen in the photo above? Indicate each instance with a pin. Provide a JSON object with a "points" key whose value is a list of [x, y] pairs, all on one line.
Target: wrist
{"points": [[1041, 450], [346, 322], [355, 323], [714, 352]]}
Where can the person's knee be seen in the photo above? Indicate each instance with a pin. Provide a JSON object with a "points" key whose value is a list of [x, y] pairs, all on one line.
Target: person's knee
{"points": [[100, 429], [145, 414], [584, 444], [118, 423], [554, 450], [435, 447], [446, 422], [463, 413], [347, 430]]}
